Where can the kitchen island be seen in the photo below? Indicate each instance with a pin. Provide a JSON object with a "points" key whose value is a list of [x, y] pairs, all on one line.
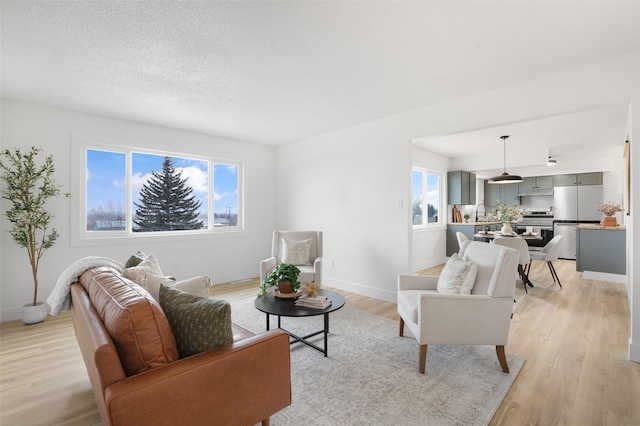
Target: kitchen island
{"points": [[601, 249]]}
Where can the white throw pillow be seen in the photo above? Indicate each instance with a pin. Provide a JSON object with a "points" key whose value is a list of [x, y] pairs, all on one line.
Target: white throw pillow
{"points": [[147, 266], [296, 252], [458, 276], [198, 286]]}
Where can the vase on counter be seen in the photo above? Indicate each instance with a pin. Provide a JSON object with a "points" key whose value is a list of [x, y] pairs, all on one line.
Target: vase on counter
{"points": [[609, 221], [506, 229]]}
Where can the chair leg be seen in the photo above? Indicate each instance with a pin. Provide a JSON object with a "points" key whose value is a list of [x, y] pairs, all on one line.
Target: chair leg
{"points": [[401, 331], [423, 358], [523, 277], [554, 274], [266, 422], [502, 358]]}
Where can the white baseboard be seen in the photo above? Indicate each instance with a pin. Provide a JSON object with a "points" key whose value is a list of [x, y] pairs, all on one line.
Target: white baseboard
{"points": [[426, 265], [363, 290], [634, 351], [602, 276], [11, 314]]}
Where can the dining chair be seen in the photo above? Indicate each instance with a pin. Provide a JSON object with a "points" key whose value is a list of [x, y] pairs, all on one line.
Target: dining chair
{"points": [[549, 253], [521, 245], [461, 237]]}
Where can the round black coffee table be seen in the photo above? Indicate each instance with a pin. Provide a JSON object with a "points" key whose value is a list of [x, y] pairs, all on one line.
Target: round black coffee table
{"points": [[271, 305]]}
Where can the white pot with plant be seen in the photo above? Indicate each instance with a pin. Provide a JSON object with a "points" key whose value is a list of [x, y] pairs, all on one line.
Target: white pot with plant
{"points": [[28, 185], [507, 215]]}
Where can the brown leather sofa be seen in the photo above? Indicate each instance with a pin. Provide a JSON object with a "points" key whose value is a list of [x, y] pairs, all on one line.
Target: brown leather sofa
{"points": [[138, 378]]}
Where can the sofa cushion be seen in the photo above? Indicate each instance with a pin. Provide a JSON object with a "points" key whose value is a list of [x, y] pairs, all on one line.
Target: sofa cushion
{"points": [[136, 323], [135, 259], [148, 266], [196, 285], [199, 324]]}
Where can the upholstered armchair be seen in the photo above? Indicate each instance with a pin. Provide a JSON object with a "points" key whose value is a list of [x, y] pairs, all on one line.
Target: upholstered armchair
{"points": [[482, 317], [288, 246]]}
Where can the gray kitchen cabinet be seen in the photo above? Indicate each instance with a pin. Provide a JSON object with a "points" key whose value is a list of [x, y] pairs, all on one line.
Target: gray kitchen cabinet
{"points": [[452, 240], [461, 188], [601, 250], [590, 178], [578, 179], [467, 229], [507, 193], [536, 185]]}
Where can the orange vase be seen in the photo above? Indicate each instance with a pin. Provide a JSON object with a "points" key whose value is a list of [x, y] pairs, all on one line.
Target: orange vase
{"points": [[609, 221]]}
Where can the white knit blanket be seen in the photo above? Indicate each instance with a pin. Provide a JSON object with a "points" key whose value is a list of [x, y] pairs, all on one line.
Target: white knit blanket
{"points": [[60, 297]]}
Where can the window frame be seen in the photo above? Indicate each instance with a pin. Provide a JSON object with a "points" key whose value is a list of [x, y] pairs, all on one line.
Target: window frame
{"points": [[80, 236], [425, 189]]}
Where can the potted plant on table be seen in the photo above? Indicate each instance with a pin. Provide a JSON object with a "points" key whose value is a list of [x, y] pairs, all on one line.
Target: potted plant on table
{"points": [[28, 186], [507, 214], [609, 209], [285, 276]]}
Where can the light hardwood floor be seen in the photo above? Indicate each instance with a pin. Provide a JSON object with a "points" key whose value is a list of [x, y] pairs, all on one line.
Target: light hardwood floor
{"points": [[574, 341]]}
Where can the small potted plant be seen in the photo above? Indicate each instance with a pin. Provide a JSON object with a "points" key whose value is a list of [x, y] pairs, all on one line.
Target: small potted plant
{"points": [[285, 276], [609, 209], [28, 186], [466, 216]]}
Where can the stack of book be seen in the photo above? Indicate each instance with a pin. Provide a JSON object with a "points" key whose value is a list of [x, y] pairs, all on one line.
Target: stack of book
{"points": [[317, 302]]}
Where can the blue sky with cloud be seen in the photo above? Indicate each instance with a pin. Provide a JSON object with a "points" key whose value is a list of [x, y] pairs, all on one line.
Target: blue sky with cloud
{"points": [[106, 179]]}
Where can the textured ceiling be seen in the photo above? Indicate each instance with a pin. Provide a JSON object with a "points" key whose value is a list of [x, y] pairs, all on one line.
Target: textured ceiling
{"points": [[275, 72]]}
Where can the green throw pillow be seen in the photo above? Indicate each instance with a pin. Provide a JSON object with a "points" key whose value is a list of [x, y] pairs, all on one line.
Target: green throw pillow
{"points": [[198, 324]]}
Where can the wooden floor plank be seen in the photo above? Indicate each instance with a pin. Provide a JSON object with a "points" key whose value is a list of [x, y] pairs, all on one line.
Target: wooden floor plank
{"points": [[575, 342]]}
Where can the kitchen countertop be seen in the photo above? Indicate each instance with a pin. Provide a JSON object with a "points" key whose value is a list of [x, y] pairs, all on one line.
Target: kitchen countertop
{"points": [[601, 228], [475, 223]]}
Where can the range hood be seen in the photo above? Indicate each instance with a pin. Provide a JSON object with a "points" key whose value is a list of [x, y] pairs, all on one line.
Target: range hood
{"points": [[534, 192]]}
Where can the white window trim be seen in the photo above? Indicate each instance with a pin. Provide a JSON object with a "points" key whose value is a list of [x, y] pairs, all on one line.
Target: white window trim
{"points": [[441, 207], [81, 237]]}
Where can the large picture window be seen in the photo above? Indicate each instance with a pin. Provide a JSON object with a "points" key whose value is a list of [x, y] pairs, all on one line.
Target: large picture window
{"points": [[426, 197], [129, 191]]}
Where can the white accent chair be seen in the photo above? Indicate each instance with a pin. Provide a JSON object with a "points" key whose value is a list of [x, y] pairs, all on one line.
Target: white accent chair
{"points": [[549, 253], [308, 273], [461, 237], [480, 318], [521, 245]]}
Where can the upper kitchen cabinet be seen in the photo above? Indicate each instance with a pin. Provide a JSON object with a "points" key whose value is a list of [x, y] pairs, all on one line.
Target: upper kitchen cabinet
{"points": [[540, 185], [579, 179], [461, 187], [507, 193]]}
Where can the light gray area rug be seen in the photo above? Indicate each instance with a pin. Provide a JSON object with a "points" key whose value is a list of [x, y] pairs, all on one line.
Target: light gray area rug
{"points": [[371, 374]]}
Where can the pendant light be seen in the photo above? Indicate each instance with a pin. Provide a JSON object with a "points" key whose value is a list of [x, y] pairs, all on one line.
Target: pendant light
{"points": [[505, 177]]}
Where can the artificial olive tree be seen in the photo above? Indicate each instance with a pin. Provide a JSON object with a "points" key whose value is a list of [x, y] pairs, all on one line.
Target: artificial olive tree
{"points": [[27, 186]]}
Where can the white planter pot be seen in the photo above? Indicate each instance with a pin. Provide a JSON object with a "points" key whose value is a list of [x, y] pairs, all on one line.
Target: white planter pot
{"points": [[506, 228], [32, 314]]}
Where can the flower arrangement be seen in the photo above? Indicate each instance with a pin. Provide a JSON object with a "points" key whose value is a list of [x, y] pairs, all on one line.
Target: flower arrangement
{"points": [[609, 208], [507, 214]]}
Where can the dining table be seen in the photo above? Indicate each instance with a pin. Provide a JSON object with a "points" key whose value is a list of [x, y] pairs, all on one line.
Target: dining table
{"points": [[489, 235]]}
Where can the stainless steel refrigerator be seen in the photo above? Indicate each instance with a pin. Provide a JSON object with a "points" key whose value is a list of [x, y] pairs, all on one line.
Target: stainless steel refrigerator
{"points": [[573, 205]]}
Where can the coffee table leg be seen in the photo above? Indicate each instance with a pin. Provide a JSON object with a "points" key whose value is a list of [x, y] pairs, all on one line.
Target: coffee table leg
{"points": [[268, 322], [326, 332]]}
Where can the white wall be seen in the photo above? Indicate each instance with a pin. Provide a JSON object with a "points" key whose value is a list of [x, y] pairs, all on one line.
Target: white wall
{"points": [[353, 185], [224, 258], [347, 182]]}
